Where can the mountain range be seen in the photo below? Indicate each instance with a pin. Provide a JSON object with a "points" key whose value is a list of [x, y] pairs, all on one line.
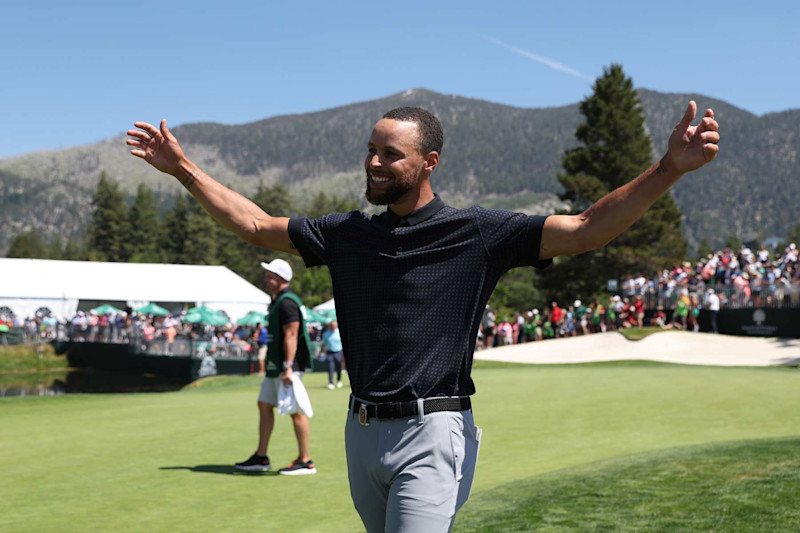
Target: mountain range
{"points": [[494, 155]]}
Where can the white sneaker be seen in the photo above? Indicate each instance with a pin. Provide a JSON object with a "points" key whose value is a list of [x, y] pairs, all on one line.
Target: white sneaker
{"points": [[330, 386], [339, 385]]}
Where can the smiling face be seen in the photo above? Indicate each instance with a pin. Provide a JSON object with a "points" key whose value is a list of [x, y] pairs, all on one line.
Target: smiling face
{"points": [[394, 164]]}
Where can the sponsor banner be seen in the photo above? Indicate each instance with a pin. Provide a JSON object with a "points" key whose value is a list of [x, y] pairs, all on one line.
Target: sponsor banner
{"points": [[754, 322]]}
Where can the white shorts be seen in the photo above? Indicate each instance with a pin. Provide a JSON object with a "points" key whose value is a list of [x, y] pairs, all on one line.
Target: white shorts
{"points": [[269, 389]]}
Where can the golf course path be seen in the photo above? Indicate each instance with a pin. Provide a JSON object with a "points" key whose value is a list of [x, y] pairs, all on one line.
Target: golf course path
{"points": [[668, 347]]}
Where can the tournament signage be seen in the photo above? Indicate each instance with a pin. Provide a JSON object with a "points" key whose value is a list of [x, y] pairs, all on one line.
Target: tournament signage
{"points": [[758, 322]]}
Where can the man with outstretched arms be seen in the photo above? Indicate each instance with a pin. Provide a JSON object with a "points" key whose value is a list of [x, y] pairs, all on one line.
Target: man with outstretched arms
{"points": [[407, 330]]}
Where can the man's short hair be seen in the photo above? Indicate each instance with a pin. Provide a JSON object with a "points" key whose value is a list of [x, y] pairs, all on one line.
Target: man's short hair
{"points": [[431, 136]]}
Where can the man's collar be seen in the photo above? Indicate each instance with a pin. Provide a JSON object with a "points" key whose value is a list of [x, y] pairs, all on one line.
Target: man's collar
{"points": [[422, 214], [285, 289]]}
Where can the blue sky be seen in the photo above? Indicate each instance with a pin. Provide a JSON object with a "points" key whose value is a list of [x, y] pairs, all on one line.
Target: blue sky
{"points": [[78, 72]]}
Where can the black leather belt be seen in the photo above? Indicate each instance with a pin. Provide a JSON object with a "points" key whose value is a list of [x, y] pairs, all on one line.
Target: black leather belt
{"points": [[390, 410]]}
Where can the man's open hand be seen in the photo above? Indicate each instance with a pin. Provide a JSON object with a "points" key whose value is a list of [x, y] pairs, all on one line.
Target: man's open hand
{"points": [[691, 147], [156, 146]]}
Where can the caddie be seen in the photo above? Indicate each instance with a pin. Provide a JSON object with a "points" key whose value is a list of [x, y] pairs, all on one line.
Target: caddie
{"points": [[288, 356]]}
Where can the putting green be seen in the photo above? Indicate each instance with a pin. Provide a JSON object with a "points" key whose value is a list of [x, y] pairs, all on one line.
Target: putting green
{"points": [[162, 462]]}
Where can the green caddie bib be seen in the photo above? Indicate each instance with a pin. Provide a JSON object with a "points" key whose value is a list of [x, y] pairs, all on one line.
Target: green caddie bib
{"points": [[275, 355]]}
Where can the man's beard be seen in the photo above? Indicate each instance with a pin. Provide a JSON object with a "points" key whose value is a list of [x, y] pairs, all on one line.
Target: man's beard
{"points": [[390, 195]]}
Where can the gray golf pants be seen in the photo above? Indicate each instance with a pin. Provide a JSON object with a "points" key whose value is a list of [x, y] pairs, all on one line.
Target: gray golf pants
{"points": [[412, 474]]}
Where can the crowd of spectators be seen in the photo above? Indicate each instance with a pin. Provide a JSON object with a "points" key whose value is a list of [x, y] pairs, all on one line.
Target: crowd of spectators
{"points": [[555, 321], [671, 299], [740, 279], [169, 335]]}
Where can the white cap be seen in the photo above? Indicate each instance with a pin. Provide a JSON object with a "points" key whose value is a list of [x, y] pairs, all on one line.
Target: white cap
{"points": [[279, 267], [576, 303]]}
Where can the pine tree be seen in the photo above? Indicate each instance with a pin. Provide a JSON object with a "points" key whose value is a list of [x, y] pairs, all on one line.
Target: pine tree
{"points": [[202, 237], [275, 200], [28, 245], [321, 204], [74, 251], [733, 242], [703, 249], [614, 149], [794, 235], [55, 250], [172, 240], [108, 229], [145, 227]]}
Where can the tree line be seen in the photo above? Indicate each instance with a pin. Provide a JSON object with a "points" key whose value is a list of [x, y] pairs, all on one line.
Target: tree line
{"points": [[613, 148], [142, 231]]}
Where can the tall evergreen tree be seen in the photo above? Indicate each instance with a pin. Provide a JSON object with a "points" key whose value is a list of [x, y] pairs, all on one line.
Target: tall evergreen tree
{"points": [[794, 235], [202, 237], [55, 250], [733, 242], [74, 251], [275, 200], [614, 149], [144, 227], [321, 204], [174, 231], [28, 245], [704, 248], [108, 228]]}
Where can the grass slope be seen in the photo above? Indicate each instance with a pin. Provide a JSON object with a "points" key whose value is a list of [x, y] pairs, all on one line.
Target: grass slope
{"points": [[162, 462], [739, 486], [637, 334], [26, 358]]}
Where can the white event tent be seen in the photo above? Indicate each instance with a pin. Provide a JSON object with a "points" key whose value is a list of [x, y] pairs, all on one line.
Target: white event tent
{"points": [[325, 306], [27, 285]]}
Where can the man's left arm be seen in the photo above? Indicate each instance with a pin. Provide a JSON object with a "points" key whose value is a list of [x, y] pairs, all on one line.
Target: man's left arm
{"points": [[291, 332], [690, 147]]}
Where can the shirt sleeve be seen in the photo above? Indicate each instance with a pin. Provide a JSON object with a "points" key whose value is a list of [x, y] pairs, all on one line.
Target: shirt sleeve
{"points": [[289, 312], [309, 237], [314, 238], [512, 239]]}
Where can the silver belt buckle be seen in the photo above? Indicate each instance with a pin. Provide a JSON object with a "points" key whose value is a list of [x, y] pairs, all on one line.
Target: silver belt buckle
{"points": [[362, 415]]}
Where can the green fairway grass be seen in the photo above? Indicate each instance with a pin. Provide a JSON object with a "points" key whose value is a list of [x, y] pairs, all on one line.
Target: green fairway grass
{"points": [[637, 334], [163, 462], [739, 486], [26, 358]]}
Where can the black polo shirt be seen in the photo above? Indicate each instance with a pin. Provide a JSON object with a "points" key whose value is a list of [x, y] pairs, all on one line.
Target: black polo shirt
{"points": [[410, 291]]}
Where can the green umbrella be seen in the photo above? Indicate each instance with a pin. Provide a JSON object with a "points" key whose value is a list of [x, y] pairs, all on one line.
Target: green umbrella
{"points": [[325, 316], [204, 315], [152, 309], [252, 318], [106, 309]]}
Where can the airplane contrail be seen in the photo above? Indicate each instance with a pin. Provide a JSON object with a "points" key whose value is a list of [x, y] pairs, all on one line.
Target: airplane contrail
{"points": [[549, 62]]}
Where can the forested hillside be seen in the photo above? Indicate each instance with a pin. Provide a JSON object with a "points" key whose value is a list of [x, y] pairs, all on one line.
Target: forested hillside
{"points": [[495, 155]]}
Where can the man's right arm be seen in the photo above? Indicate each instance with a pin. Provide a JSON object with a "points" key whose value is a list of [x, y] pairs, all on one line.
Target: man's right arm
{"points": [[161, 149]]}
